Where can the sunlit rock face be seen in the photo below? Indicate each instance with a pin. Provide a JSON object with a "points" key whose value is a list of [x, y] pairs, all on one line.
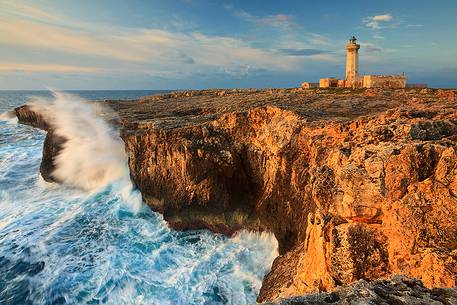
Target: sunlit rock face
{"points": [[355, 184]]}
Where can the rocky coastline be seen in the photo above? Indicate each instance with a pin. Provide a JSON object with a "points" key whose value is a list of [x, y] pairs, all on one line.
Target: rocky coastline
{"points": [[354, 184], [398, 290]]}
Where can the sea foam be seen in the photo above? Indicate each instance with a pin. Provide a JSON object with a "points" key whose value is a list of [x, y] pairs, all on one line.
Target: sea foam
{"points": [[93, 154], [9, 117]]}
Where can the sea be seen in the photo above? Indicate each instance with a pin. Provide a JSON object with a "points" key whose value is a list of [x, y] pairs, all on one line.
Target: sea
{"points": [[73, 244]]}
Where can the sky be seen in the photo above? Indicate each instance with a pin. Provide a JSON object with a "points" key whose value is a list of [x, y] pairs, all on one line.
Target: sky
{"points": [[182, 44]]}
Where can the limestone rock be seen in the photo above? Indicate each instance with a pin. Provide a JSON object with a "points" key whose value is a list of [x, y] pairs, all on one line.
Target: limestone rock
{"points": [[51, 147], [26, 115], [353, 185], [398, 290]]}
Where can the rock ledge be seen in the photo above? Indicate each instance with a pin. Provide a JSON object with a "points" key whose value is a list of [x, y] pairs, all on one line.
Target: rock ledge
{"points": [[398, 290]]}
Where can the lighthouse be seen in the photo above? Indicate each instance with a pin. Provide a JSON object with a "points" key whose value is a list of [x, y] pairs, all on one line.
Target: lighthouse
{"points": [[352, 62], [353, 80]]}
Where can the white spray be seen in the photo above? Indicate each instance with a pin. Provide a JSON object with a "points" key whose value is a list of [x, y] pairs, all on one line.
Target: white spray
{"points": [[9, 117], [93, 155]]}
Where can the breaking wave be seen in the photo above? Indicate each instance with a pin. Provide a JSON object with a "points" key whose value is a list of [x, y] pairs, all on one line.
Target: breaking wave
{"points": [[9, 117], [93, 154]]}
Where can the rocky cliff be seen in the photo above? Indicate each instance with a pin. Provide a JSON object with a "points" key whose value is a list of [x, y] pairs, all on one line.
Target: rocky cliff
{"points": [[26, 115], [52, 144], [354, 184]]}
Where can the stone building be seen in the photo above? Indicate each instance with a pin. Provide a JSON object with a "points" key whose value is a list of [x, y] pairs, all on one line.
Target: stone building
{"points": [[308, 85], [384, 81], [329, 82], [354, 80]]}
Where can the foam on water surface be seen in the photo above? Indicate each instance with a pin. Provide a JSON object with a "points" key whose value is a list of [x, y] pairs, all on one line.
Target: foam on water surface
{"points": [[74, 244]]}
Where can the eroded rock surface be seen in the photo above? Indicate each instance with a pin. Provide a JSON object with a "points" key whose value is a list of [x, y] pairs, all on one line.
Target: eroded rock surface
{"points": [[398, 290], [355, 184], [26, 115], [29, 115]]}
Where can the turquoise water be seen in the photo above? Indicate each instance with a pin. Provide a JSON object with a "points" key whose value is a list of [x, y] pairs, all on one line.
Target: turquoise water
{"points": [[63, 245]]}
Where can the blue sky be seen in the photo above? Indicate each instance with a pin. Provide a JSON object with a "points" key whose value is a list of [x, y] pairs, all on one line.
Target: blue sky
{"points": [[201, 43]]}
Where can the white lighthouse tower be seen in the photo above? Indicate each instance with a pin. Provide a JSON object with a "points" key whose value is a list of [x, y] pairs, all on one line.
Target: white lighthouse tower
{"points": [[352, 62]]}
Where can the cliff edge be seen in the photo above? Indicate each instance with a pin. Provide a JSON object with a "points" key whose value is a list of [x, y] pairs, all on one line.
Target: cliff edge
{"points": [[355, 184]]}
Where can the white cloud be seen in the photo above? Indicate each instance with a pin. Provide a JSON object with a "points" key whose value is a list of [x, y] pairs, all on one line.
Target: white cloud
{"points": [[136, 49], [318, 39], [149, 51], [385, 17], [370, 48], [22, 10], [24, 67], [48, 37], [377, 22], [277, 20]]}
